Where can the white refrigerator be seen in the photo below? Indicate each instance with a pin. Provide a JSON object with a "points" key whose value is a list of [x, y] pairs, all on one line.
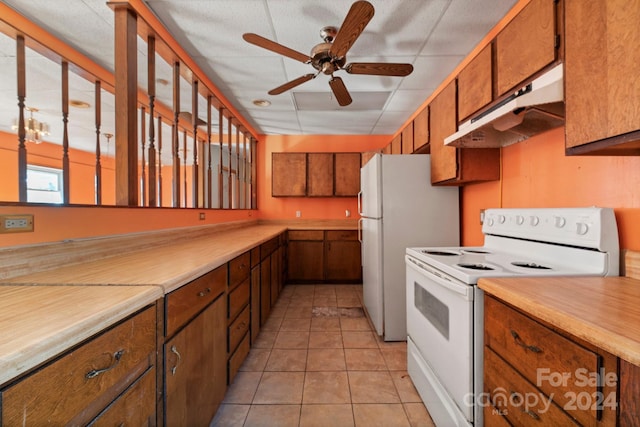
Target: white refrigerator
{"points": [[398, 209]]}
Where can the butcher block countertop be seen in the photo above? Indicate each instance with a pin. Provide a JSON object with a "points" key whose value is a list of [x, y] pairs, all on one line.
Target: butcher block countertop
{"points": [[604, 311], [40, 322]]}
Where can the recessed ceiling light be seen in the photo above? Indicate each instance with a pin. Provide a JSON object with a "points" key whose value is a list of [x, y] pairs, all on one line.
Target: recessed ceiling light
{"points": [[261, 102], [163, 82], [78, 104]]}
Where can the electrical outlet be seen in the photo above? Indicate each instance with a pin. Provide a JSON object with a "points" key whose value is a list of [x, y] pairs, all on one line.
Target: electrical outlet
{"points": [[298, 214], [202, 216], [347, 213], [16, 223]]}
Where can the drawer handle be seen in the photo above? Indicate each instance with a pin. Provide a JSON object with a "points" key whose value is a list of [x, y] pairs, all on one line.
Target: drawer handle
{"points": [[205, 292], [175, 351], [522, 344], [516, 399], [116, 359]]}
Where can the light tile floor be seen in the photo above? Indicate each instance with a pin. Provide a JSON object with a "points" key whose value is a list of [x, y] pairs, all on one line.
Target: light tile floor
{"points": [[317, 362]]}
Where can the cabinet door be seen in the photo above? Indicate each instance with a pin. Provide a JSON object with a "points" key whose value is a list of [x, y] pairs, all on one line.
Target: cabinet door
{"points": [[265, 289], [288, 174], [526, 45], [320, 174], [474, 85], [306, 260], [421, 130], [195, 368], [407, 139], [444, 160], [343, 261], [602, 89], [275, 276], [255, 302], [396, 145], [347, 174]]}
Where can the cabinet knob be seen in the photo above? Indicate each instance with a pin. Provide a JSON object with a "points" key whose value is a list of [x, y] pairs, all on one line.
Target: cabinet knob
{"points": [[205, 292]]}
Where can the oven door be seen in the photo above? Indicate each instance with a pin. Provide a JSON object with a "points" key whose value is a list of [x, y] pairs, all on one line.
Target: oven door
{"points": [[440, 325]]}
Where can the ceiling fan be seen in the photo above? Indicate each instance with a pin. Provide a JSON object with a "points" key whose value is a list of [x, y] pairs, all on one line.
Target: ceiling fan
{"points": [[330, 56]]}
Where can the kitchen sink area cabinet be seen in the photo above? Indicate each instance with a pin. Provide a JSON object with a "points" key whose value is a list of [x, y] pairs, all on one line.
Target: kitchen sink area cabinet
{"points": [[602, 91], [270, 276], [108, 379], [255, 293], [526, 358], [238, 313], [195, 349], [526, 45], [456, 166]]}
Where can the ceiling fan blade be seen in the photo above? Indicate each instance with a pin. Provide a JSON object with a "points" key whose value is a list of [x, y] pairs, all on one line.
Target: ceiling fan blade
{"points": [[290, 85], [379, 69], [340, 91], [358, 17], [275, 47]]}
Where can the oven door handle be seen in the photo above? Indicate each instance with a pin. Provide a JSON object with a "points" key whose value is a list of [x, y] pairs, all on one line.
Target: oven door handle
{"points": [[458, 287]]}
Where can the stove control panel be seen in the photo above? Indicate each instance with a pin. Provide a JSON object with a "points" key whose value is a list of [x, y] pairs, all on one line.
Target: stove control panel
{"points": [[592, 227]]}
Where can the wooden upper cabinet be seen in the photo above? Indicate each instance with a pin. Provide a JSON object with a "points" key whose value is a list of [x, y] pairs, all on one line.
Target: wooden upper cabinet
{"points": [[444, 160], [527, 44], [396, 144], [289, 174], [407, 139], [456, 166], [315, 174], [421, 130], [387, 148], [347, 174], [474, 85], [602, 88], [320, 174]]}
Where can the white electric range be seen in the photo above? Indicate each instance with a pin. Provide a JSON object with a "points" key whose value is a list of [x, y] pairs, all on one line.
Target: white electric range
{"points": [[445, 307]]}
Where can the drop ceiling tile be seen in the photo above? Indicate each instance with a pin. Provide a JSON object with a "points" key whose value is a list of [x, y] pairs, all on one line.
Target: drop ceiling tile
{"points": [[337, 122], [429, 72], [389, 122], [244, 100], [407, 100], [464, 24]]}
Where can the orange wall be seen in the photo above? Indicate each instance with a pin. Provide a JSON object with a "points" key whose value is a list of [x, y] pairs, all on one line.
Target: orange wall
{"points": [[536, 173], [310, 208]]}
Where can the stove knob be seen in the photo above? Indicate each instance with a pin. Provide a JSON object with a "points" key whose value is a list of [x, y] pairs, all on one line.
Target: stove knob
{"points": [[560, 222], [490, 222], [519, 220], [582, 228], [534, 220], [501, 219]]}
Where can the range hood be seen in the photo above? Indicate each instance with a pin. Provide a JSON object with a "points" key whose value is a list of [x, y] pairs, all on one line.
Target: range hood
{"points": [[537, 107]]}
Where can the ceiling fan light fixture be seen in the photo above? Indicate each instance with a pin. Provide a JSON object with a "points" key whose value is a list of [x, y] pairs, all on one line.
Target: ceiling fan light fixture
{"points": [[261, 102]]}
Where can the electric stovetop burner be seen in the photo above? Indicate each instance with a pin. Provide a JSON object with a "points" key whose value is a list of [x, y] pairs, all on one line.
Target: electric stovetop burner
{"points": [[476, 266], [532, 265], [476, 251], [440, 253]]}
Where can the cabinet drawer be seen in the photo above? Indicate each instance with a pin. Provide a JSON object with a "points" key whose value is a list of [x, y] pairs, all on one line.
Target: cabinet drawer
{"points": [[79, 385], [238, 298], [238, 328], [184, 303], [239, 269], [306, 235], [236, 359], [518, 400], [342, 235], [542, 356], [268, 247], [136, 407]]}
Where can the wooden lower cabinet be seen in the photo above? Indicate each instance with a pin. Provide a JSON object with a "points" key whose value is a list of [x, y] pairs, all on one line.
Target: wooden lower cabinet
{"points": [[537, 375], [111, 377], [195, 368], [324, 256]]}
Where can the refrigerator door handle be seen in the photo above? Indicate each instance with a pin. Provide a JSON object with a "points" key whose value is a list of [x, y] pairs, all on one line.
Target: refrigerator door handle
{"points": [[360, 202], [360, 229]]}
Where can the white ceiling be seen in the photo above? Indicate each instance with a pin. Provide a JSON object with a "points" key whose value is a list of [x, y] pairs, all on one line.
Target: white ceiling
{"points": [[432, 35]]}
